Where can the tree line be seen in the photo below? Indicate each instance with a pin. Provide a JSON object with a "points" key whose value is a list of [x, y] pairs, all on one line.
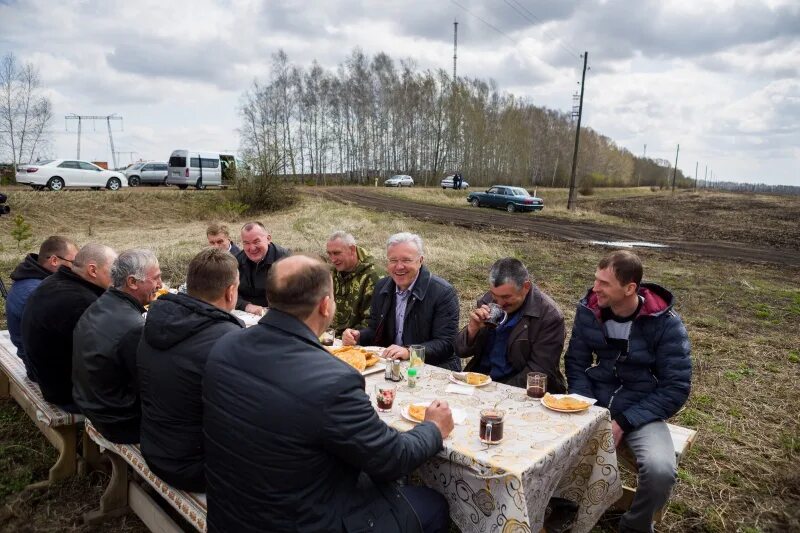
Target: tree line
{"points": [[374, 117]]}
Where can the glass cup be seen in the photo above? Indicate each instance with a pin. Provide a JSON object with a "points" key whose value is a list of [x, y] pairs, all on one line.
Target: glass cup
{"points": [[491, 426], [497, 317], [328, 337], [384, 396], [537, 384], [416, 356]]}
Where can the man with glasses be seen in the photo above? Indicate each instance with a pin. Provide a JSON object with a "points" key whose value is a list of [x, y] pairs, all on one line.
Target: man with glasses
{"points": [[411, 306], [54, 252], [630, 351]]}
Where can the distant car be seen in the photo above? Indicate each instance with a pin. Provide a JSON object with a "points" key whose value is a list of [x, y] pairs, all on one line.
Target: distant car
{"points": [[447, 183], [150, 172], [400, 180], [55, 174], [506, 197]]}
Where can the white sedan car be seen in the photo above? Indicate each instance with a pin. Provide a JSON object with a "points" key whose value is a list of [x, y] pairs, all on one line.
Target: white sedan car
{"points": [[400, 180], [56, 174]]}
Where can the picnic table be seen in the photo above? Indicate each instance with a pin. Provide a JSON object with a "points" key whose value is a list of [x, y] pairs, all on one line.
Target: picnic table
{"points": [[505, 487]]}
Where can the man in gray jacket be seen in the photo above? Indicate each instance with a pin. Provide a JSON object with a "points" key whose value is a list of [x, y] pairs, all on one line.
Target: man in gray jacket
{"points": [[104, 347]]}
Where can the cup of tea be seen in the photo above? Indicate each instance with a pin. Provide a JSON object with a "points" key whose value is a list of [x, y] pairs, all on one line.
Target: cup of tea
{"points": [[416, 356], [497, 317], [491, 427], [328, 337], [537, 384], [384, 396]]}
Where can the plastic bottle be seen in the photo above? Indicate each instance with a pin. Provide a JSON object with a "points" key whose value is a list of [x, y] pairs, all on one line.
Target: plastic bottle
{"points": [[411, 374]]}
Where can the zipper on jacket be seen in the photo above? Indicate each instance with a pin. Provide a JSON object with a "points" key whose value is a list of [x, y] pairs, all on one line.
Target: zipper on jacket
{"points": [[613, 394]]}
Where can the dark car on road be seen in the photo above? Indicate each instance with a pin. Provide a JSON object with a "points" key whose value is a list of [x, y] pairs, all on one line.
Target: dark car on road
{"points": [[506, 197]]}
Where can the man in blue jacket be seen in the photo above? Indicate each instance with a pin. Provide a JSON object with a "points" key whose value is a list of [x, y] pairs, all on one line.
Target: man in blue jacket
{"points": [[630, 351], [54, 252]]}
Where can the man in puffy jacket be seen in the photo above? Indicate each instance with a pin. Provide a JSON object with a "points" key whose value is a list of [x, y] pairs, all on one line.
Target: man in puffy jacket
{"points": [[353, 282], [178, 334], [292, 440], [630, 351], [104, 347], [411, 306], [55, 251], [256, 258]]}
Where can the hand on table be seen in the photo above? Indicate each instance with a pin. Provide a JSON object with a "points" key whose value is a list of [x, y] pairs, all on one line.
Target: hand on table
{"points": [[396, 352], [350, 337], [477, 320], [617, 432], [439, 413]]}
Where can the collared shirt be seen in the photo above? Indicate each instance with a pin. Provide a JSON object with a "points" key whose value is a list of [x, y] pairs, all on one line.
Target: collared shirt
{"points": [[400, 305]]}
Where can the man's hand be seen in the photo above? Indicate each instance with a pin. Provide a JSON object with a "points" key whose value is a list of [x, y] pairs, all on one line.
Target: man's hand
{"points": [[439, 413], [350, 337], [255, 309], [396, 352], [476, 321], [617, 432]]}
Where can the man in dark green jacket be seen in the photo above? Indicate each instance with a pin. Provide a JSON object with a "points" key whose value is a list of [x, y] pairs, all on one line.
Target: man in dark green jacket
{"points": [[353, 282]]}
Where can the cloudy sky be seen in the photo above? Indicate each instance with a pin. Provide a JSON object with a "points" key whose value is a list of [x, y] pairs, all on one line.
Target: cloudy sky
{"points": [[720, 77]]}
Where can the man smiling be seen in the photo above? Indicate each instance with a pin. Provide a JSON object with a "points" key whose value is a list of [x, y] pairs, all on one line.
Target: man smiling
{"points": [[256, 258], [353, 282]]}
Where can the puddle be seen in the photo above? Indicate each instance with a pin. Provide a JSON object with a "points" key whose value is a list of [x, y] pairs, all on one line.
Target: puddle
{"points": [[629, 244]]}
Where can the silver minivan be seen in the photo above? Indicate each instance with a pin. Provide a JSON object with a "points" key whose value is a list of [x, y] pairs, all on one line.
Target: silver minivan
{"points": [[200, 169], [149, 172]]}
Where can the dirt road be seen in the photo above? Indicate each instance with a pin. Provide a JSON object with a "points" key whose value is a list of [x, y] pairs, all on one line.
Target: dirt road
{"points": [[561, 229]]}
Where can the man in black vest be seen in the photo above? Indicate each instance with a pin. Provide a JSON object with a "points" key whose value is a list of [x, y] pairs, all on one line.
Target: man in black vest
{"points": [[256, 258], [292, 440]]}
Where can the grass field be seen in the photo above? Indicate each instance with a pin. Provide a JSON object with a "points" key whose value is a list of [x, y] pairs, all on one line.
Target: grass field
{"points": [[741, 475]]}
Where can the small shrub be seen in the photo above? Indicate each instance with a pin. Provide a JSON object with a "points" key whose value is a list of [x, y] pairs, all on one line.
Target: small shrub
{"points": [[263, 193], [587, 186], [21, 232]]}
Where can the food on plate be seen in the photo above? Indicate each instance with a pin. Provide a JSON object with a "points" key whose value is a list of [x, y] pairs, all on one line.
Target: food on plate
{"points": [[474, 378], [417, 412], [358, 358], [161, 292], [565, 403]]}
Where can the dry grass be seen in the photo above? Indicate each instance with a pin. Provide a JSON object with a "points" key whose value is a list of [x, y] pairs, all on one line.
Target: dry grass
{"points": [[741, 475]]}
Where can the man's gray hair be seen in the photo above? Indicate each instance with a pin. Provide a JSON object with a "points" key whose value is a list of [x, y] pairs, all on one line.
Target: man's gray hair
{"points": [[99, 254], [399, 238], [343, 236], [508, 270], [134, 263]]}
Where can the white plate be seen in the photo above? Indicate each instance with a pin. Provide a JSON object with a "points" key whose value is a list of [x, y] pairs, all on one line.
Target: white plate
{"points": [[378, 350], [405, 414], [374, 369], [590, 401], [455, 380]]}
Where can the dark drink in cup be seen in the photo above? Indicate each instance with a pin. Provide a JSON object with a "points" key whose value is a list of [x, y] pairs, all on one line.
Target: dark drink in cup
{"points": [[536, 392], [537, 384], [491, 427], [497, 317]]}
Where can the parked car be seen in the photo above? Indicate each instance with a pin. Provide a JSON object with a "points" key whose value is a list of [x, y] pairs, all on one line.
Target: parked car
{"points": [[447, 183], [55, 174], [506, 197], [149, 172], [400, 180]]}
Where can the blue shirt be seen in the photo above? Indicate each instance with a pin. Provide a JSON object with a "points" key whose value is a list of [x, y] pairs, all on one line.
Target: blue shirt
{"points": [[400, 305], [494, 360]]}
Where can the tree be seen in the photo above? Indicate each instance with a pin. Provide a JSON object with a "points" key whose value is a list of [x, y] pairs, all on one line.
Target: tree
{"points": [[25, 112]]}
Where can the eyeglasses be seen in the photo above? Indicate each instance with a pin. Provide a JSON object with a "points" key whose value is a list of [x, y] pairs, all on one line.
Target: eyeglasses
{"points": [[63, 258]]}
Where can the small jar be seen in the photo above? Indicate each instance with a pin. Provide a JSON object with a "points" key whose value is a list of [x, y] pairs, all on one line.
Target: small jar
{"points": [[411, 374], [396, 376]]}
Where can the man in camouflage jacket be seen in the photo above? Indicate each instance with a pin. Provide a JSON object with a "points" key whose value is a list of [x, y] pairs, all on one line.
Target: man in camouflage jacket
{"points": [[353, 282]]}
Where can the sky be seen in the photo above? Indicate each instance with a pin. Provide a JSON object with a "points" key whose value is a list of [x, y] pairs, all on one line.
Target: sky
{"points": [[719, 77]]}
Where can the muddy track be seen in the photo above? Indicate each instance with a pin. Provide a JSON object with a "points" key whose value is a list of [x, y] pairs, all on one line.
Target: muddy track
{"points": [[484, 218]]}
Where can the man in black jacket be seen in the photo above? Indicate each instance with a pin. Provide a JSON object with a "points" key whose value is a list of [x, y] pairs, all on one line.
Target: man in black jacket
{"points": [[292, 441], [104, 347], [255, 260], [178, 334], [411, 306], [219, 237], [50, 316]]}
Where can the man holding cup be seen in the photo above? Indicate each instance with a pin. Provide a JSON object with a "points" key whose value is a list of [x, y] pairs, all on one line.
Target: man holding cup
{"points": [[515, 329]]}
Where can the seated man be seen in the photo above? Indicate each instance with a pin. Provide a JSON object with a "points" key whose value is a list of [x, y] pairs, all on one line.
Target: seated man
{"points": [[178, 334], [292, 440], [630, 351], [255, 260], [530, 340], [50, 317], [54, 252], [353, 281], [411, 306], [219, 237], [104, 347]]}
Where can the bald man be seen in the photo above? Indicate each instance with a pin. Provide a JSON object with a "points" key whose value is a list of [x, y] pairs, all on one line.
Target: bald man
{"points": [[256, 258], [333, 468]]}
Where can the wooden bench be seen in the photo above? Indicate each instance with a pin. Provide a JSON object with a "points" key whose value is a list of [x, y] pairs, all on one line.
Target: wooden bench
{"points": [[59, 426], [682, 440], [124, 494]]}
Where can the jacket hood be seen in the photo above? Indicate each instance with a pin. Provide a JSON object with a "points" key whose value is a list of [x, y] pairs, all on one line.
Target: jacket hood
{"points": [[657, 300], [30, 268], [175, 317]]}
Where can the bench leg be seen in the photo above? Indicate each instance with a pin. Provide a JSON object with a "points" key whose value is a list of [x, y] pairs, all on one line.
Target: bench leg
{"points": [[114, 501], [91, 458], [67, 463]]}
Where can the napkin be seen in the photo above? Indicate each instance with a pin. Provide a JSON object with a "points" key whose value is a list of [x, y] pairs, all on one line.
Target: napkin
{"points": [[454, 388], [459, 416]]}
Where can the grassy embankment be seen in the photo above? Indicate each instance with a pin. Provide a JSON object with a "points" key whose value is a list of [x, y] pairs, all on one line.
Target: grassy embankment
{"points": [[742, 473]]}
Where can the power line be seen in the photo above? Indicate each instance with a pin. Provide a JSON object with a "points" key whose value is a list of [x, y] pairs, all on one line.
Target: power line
{"points": [[495, 28], [519, 7]]}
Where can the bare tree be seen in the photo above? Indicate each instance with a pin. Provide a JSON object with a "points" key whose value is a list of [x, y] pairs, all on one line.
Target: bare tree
{"points": [[25, 113]]}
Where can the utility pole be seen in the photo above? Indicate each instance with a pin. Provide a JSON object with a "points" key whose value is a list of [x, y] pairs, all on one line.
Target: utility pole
{"points": [[705, 177], [675, 170], [696, 166], [644, 158], [108, 119], [455, 47], [571, 201]]}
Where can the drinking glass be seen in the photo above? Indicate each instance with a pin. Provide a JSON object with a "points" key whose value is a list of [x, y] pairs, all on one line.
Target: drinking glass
{"points": [[491, 426], [384, 396], [497, 317], [416, 357], [537, 384]]}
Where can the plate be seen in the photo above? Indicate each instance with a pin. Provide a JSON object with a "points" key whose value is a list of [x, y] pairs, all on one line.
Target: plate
{"points": [[405, 414], [378, 350], [374, 369], [458, 381], [590, 401]]}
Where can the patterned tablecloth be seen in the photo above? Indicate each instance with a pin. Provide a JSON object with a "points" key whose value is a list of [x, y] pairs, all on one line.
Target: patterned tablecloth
{"points": [[506, 487]]}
